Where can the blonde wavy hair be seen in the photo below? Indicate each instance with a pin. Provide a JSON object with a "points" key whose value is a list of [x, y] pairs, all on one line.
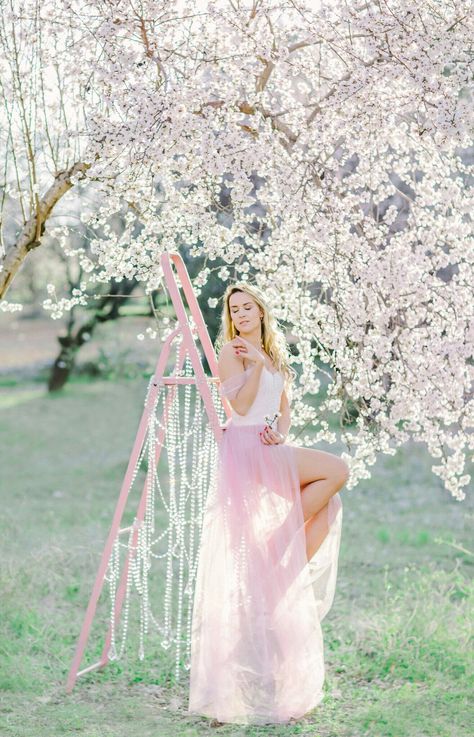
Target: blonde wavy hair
{"points": [[273, 337]]}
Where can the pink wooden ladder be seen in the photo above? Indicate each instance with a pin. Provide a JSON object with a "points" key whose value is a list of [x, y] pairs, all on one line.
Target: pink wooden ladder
{"points": [[187, 346]]}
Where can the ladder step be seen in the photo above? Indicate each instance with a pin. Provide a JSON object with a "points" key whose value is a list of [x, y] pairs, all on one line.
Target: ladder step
{"points": [[99, 664], [185, 380]]}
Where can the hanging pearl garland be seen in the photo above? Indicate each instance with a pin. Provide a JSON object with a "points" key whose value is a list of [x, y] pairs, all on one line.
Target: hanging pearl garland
{"points": [[191, 454]]}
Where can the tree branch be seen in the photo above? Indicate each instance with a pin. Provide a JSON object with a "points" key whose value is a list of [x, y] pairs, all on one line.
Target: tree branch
{"points": [[33, 229]]}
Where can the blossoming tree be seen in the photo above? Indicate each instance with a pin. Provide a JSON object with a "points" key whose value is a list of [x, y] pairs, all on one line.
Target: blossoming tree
{"points": [[324, 145]]}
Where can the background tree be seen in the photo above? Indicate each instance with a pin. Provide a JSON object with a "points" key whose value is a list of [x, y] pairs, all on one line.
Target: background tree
{"points": [[332, 108]]}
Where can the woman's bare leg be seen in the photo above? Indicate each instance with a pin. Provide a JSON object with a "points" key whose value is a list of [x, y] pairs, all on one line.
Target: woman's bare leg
{"points": [[321, 475], [316, 529]]}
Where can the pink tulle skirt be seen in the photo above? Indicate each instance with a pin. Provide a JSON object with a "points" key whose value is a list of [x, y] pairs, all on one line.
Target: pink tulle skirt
{"points": [[257, 652]]}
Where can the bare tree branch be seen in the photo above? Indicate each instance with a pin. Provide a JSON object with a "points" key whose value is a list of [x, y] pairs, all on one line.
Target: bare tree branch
{"points": [[33, 229]]}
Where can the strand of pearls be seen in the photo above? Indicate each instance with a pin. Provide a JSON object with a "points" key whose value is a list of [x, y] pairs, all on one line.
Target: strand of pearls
{"points": [[113, 573], [112, 654], [205, 492], [143, 558], [112, 578], [181, 528], [191, 453], [171, 442]]}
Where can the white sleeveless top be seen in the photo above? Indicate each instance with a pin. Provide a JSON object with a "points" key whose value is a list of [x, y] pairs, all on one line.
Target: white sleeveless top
{"points": [[266, 402]]}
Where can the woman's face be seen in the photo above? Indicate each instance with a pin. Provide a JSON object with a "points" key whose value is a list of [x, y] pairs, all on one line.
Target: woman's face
{"points": [[244, 312]]}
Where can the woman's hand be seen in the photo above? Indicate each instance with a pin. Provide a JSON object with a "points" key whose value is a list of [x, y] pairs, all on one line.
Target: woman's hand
{"points": [[271, 437], [245, 349]]}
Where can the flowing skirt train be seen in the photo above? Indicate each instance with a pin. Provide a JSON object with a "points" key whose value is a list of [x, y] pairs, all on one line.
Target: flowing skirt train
{"points": [[257, 653]]}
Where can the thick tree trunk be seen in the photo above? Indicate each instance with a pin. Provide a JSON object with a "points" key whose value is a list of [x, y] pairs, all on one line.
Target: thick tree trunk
{"points": [[108, 309]]}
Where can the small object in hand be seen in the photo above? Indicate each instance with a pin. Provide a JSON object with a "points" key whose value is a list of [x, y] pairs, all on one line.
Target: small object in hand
{"points": [[271, 420]]}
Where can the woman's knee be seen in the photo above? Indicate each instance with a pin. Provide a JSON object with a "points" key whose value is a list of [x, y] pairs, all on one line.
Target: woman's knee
{"points": [[342, 472], [315, 465]]}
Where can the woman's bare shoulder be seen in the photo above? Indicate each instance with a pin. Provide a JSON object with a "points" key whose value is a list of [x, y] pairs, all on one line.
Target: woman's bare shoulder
{"points": [[228, 363], [225, 350]]}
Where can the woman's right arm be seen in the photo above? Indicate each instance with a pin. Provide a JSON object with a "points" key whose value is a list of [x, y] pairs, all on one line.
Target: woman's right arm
{"points": [[230, 365]]}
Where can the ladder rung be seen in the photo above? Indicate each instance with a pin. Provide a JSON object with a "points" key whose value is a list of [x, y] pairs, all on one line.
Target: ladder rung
{"points": [[91, 667], [184, 380]]}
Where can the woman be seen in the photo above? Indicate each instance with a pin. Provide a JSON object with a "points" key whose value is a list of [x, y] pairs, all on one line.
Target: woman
{"points": [[270, 539]]}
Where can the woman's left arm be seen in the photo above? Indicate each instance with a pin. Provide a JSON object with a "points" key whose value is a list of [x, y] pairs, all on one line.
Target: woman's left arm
{"points": [[284, 421]]}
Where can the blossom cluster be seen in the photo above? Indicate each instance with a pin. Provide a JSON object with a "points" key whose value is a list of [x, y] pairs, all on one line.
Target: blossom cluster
{"points": [[325, 148]]}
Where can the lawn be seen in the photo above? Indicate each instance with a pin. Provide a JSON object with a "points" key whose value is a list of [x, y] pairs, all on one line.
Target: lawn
{"points": [[398, 640]]}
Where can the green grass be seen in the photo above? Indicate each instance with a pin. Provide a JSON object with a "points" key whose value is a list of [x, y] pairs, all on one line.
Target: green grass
{"points": [[398, 639]]}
